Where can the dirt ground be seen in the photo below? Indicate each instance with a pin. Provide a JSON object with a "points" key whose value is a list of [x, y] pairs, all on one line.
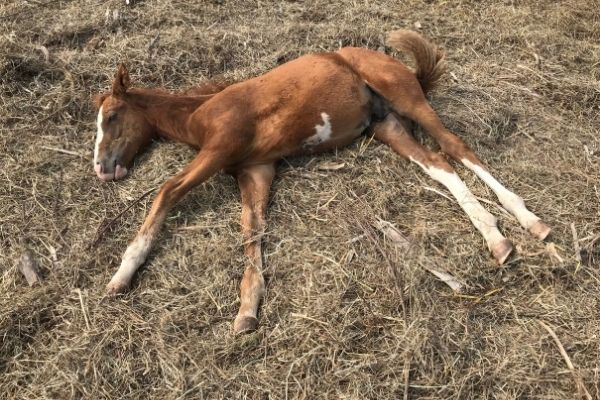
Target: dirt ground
{"points": [[347, 315]]}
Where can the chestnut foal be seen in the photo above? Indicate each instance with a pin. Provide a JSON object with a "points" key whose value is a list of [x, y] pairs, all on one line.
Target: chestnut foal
{"points": [[315, 103]]}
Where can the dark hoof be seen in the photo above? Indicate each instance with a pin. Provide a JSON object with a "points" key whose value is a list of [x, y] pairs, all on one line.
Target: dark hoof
{"points": [[502, 250], [244, 324], [540, 230]]}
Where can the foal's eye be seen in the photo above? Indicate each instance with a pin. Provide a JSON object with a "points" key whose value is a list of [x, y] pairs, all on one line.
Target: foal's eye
{"points": [[111, 117]]}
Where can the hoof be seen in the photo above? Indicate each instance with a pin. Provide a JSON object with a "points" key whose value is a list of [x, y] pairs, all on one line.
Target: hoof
{"points": [[502, 250], [540, 230], [244, 324], [115, 288]]}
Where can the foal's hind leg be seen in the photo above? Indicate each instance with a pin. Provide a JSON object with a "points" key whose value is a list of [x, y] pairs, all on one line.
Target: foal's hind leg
{"points": [[452, 145], [392, 132], [255, 183]]}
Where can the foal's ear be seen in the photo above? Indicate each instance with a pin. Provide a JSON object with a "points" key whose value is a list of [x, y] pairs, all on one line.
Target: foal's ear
{"points": [[121, 82]]}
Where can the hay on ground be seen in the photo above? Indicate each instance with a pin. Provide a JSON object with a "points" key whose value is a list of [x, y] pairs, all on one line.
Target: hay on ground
{"points": [[346, 315]]}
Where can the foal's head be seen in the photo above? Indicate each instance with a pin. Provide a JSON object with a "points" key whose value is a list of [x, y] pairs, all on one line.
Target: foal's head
{"points": [[123, 130]]}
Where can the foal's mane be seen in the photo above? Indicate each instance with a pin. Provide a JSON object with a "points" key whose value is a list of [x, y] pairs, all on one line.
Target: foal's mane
{"points": [[206, 88]]}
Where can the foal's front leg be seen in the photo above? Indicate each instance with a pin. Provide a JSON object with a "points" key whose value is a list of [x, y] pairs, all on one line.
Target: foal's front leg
{"points": [[201, 168], [255, 183]]}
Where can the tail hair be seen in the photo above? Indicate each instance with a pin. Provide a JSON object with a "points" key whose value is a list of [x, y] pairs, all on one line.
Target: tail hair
{"points": [[430, 61]]}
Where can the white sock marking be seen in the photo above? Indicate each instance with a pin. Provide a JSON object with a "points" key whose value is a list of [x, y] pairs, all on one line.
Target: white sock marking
{"points": [[134, 257], [479, 216], [323, 132], [512, 202], [99, 135]]}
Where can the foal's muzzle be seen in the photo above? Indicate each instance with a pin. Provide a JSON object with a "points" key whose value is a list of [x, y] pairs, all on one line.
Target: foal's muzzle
{"points": [[107, 169]]}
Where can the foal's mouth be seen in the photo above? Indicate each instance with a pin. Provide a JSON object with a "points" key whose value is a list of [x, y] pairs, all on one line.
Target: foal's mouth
{"points": [[118, 173]]}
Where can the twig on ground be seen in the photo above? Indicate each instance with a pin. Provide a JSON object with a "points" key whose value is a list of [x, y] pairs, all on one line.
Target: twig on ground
{"points": [[581, 389], [400, 241], [448, 279], [330, 166], [102, 229], [438, 192], [85, 317], [553, 253], [576, 243], [71, 153], [392, 233], [406, 373]]}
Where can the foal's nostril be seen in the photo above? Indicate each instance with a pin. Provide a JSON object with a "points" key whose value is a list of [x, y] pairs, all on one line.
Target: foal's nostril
{"points": [[106, 165]]}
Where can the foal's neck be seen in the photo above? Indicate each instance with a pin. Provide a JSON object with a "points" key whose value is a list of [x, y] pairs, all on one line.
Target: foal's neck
{"points": [[169, 112]]}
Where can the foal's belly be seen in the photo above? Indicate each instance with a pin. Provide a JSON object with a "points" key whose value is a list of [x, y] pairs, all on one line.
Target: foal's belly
{"points": [[326, 131], [321, 128], [329, 136]]}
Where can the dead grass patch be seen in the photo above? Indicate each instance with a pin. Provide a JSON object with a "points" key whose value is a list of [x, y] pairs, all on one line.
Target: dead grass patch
{"points": [[346, 315]]}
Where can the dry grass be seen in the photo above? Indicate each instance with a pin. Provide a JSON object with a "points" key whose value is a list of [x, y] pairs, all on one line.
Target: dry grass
{"points": [[342, 318]]}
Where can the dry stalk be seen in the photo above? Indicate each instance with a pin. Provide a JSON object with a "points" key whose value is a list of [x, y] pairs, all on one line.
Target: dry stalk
{"points": [[581, 389], [104, 227]]}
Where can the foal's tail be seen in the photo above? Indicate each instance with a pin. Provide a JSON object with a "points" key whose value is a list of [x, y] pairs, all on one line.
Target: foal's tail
{"points": [[431, 61]]}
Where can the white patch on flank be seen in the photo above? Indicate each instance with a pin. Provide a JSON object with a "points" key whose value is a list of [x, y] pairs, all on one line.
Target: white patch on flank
{"points": [[99, 135], [479, 216], [134, 257], [512, 202], [323, 132]]}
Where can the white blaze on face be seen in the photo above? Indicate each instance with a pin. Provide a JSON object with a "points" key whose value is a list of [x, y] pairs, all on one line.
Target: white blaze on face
{"points": [[512, 202], [99, 135], [134, 257], [479, 216], [323, 132]]}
